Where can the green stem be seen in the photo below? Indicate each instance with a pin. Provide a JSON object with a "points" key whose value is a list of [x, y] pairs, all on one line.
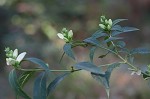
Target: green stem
{"points": [[124, 60], [39, 69]]}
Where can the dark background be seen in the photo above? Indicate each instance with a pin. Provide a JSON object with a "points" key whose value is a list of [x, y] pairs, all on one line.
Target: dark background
{"points": [[32, 25]]}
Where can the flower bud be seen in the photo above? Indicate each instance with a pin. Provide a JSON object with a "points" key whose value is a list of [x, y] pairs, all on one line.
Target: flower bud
{"points": [[108, 27], [102, 26], [70, 34], [110, 22]]}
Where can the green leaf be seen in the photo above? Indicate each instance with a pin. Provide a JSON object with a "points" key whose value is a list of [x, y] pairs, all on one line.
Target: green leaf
{"points": [[15, 85], [121, 44], [110, 69], [129, 29], [92, 41], [24, 78], [116, 28], [55, 83], [91, 55], [104, 79], [99, 34], [39, 89], [139, 51], [114, 33], [88, 66], [39, 62], [68, 50], [112, 39], [118, 20]]}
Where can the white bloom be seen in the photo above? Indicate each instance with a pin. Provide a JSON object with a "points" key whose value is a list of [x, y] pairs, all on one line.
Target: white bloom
{"points": [[15, 53], [61, 36], [110, 22], [136, 72], [70, 34], [20, 57], [15, 59]]}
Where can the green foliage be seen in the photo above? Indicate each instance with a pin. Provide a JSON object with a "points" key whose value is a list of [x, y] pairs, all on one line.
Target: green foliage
{"points": [[88, 66], [39, 62], [106, 38], [55, 83], [68, 50], [25, 77], [39, 90], [15, 85]]}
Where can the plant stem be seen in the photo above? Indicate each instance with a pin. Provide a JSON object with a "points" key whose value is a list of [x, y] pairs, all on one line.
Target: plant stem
{"points": [[124, 60], [39, 69]]}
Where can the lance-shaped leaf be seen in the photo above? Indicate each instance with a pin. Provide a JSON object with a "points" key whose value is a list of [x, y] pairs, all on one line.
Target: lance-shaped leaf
{"points": [[39, 62], [116, 28], [92, 41], [24, 78], [15, 85], [88, 66], [91, 55], [129, 29], [55, 83], [121, 44], [98, 34], [114, 33], [139, 51], [112, 39], [104, 79], [117, 21], [39, 89], [68, 50]]}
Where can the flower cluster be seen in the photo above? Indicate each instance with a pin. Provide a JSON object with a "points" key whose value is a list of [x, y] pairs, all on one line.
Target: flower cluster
{"points": [[105, 24], [66, 35], [13, 58]]}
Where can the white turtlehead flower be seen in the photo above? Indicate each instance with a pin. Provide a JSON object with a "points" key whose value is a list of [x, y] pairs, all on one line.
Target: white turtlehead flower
{"points": [[136, 72], [110, 22], [15, 59], [70, 34], [61, 36]]}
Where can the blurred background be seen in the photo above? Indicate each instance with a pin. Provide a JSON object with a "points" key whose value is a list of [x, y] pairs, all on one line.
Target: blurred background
{"points": [[32, 26]]}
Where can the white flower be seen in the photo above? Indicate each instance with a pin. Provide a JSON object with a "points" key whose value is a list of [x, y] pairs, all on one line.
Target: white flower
{"points": [[15, 59], [70, 34], [136, 72], [61, 36]]}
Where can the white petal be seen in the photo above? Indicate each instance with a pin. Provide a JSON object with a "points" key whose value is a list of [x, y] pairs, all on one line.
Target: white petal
{"points": [[61, 36], [138, 72], [70, 34], [7, 61], [15, 53], [133, 72], [21, 56]]}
